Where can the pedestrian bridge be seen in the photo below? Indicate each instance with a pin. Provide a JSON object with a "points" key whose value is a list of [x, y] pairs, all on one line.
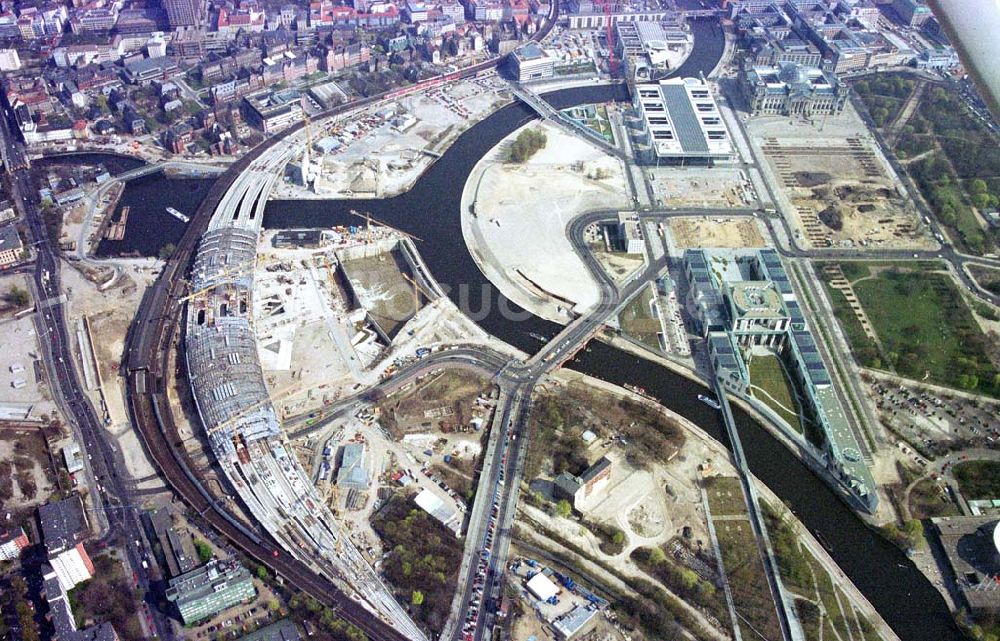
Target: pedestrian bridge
{"points": [[553, 115]]}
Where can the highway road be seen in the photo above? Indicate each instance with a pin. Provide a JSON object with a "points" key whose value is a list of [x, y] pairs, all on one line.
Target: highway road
{"points": [[112, 499]]}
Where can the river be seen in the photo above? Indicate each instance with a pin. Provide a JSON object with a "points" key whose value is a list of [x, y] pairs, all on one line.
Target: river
{"points": [[430, 211]]}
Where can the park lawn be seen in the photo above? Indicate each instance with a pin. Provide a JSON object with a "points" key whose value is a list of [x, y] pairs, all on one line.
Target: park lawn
{"points": [[637, 320], [747, 581], [779, 394], [865, 350], [978, 480], [927, 501], [927, 329]]}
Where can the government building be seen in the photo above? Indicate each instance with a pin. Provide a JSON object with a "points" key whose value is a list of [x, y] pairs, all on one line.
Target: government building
{"points": [[791, 89]]}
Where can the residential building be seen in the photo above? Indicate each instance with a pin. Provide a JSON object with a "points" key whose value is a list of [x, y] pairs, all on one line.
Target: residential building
{"points": [[577, 489], [11, 544], [64, 524], [206, 591], [681, 124], [11, 248], [791, 89], [146, 70], [72, 566], [531, 62], [9, 60], [283, 630], [61, 615], [182, 13]]}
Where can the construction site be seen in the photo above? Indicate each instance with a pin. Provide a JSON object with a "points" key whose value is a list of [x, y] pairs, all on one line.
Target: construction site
{"points": [[339, 308], [381, 151], [514, 212], [838, 186]]}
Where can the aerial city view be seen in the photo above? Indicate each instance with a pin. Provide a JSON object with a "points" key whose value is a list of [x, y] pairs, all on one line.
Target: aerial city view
{"points": [[500, 320]]}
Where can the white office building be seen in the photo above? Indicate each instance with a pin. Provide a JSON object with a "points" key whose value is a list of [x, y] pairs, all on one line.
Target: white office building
{"points": [[682, 124]]}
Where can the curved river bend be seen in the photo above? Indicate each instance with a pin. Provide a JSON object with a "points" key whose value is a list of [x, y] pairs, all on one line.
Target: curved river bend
{"points": [[901, 594], [430, 210]]}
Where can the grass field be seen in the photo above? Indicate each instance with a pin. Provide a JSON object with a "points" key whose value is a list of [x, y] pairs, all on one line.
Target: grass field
{"points": [[926, 328], [767, 373], [978, 480], [637, 320], [927, 501], [725, 496], [747, 581]]}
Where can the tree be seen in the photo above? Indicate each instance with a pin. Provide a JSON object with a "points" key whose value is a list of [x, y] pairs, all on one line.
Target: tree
{"points": [[417, 598], [167, 251], [204, 550], [618, 538], [657, 556], [17, 296], [261, 572], [977, 186], [563, 508]]}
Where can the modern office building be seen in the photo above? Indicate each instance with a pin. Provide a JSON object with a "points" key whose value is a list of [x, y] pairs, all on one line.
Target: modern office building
{"points": [[274, 111], [744, 302], [530, 62], [682, 124], [913, 13], [206, 591], [791, 89]]}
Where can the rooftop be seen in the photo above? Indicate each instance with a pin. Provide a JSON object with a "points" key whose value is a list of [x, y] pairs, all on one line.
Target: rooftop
{"points": [[63, 523]]}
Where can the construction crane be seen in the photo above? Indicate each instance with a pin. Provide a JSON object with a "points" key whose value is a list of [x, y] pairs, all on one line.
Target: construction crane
{"points": [[369, 218], [609, 35], [417, 290]]}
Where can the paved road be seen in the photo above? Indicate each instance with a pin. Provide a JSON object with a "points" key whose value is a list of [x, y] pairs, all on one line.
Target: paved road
{"points": [[111, 491]]}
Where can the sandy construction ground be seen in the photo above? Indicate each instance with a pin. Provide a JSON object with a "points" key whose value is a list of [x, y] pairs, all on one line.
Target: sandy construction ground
{"points": [[518, 232], [385, 148], [699, 187], [705, 231], [835, 184], [109, 313]]}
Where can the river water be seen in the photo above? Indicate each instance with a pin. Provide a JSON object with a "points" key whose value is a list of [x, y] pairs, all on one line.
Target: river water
{"points": [[430, 212]]}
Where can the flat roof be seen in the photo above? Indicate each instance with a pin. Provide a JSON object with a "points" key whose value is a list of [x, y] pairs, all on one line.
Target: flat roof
{"points": [[542, 587]]}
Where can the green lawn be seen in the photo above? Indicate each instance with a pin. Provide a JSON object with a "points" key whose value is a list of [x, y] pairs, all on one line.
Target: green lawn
{"points": [[747, 581], [767, 373], [927, 329], [725, 496], [636, 320], [978, 480]]}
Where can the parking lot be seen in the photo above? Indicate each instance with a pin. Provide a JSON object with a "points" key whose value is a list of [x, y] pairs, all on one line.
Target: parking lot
{"points": [[932, 420]]}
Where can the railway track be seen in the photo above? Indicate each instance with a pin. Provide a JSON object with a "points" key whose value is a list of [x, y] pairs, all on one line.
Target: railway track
{"points": [[151, 337]]}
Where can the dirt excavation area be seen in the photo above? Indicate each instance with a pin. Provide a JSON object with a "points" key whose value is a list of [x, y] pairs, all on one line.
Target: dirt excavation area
{"points": [[102, 301], [514, 218], [835, 184], [705, 231]]}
